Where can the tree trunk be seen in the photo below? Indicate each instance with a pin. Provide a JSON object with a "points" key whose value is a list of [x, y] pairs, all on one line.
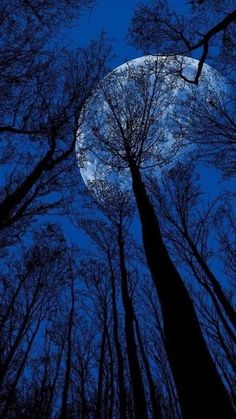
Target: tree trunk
{"points": [[52, 392], [120, 362], [110, 381], [20, 334], [84, 407], [228, 308], [140, 407], [63, 413], [98, 410], [200, 389], [156, 408], [10, 397], [217, 306], [13, 200]]}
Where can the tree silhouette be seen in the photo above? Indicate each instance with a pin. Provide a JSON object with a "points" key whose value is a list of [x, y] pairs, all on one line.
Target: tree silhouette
{"points": [[123, 138], [116, 299], [155, 28]]}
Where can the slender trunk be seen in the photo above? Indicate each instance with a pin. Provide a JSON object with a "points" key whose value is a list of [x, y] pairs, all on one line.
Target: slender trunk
{"points": [[10, 398], [200, 389], [140, 407], [215, 302], [98, 410], [228, 308], [167, 378], [13, 200], [84, 407], [63, 413], [173, 402], [156, 408], [106, 396], [18, 339], [229, 355], [10, 307], [50, 401], [110, 381], [120, 361]]}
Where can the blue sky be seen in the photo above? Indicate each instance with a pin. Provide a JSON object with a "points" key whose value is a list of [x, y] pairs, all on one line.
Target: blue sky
{"points": [[113, 17]]}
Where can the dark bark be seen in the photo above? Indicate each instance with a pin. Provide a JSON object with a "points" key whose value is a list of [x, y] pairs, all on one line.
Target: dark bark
{"points": [[14, 199], [10, 307], [156, 408], [64, 403], [84, 407], [14, 206], [228, 308], [140, 407], [10, 397], [200, 389], [98, 410], [20, 335], [49, 407], [120, 361], [230, 357], [217, 306], [110, 382], [204, 43]]}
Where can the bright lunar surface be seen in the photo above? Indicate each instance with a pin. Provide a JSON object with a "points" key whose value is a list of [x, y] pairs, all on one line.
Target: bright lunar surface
{"points": [[143, 102]]}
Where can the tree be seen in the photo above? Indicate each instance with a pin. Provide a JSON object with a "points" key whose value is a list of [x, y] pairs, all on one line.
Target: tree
{"points": [[188, 227], [99, 292], [129, 137], [71, 314], [209, 31], [212, 127], [26, 189], [117, 208], [43, 90], [155, 28], [28, 303]]}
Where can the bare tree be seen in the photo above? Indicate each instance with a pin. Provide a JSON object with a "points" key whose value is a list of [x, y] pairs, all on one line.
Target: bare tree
{"points": [[118, 209], [39, 281], [208, 29], [50, 152], [155, 28], [189, 227], [128, 138], [67, 378]]}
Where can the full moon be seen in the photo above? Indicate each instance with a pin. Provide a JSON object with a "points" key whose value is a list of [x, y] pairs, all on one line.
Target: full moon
{"points": [[139, 107]]}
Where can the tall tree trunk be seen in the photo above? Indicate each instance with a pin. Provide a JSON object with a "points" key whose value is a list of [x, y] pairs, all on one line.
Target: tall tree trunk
{"points": [[52, 392], [120, 362], [10, 307], [140, 407], [10, 397], [156, 408], [228, 308], [15, 198], [215, 301], [66, 387], [110, 381], [98, 410], [18, 339], [84, 406], [200, 389]]}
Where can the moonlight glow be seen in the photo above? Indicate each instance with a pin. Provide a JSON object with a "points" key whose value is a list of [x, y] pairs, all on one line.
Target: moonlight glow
{"points": [[142, 99]]}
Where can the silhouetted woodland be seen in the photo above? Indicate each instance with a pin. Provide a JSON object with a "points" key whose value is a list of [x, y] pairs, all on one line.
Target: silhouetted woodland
{"points": [[136, 317]]}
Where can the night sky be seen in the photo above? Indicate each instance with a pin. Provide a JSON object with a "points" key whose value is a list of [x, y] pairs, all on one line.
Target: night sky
{"points": [[113, 18], [116, 304]]}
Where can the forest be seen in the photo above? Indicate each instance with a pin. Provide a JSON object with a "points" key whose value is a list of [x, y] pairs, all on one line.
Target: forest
{"points": [[117, 215]]}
